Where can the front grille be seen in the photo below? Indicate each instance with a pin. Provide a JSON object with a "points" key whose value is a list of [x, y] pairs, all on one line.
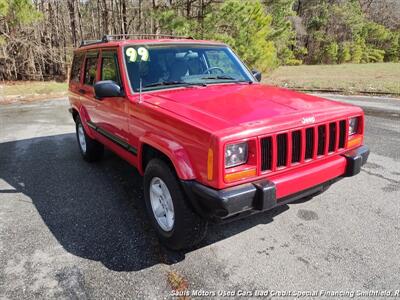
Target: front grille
{"points": [[316, 140], [309, 143], [266, 153], [282, 149], [321, 139], [342, 133], [332, 137], [296, 146]]}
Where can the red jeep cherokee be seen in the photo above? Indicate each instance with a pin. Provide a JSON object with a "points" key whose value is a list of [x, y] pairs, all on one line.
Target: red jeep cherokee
{"points": [[211, 141]]}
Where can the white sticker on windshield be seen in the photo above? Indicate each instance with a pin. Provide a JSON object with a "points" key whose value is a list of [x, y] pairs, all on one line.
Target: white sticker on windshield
{"points": [[144, 53], [132, 54]]}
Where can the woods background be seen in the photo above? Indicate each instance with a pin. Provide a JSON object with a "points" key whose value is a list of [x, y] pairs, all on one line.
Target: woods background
{"points": [[37, 37]]}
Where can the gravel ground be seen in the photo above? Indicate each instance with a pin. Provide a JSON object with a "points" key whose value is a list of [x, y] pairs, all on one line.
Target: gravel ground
{"points": [[69, 229]]}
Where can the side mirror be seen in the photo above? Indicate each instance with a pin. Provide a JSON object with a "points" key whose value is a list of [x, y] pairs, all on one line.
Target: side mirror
{"points": [[107, 88], [257, 75]]}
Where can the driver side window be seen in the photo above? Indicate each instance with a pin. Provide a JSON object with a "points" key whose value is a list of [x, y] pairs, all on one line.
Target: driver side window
{"points": [[109, 67]]}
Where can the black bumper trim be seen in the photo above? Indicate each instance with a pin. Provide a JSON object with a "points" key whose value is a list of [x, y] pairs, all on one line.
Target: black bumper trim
{"points": [[219, 205], [355, 160], [259, 195]]}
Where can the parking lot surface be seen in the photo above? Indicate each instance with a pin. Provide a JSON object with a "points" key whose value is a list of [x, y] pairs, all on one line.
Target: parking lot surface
{"points": [[69, 229]]}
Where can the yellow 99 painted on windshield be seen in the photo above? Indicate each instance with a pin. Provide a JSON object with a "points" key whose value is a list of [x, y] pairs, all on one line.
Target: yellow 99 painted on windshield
{"points": [[139, 54]]}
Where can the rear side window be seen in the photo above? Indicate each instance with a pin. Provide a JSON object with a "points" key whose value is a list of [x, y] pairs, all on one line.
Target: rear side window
{"points": [[76, 67], [90, 68], [109, 67]]}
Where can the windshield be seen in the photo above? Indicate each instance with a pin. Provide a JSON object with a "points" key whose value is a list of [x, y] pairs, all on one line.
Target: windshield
{"points": [[165, 66]]}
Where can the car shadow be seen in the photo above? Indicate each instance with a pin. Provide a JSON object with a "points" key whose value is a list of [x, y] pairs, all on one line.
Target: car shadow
{"points": [[96, 211]]}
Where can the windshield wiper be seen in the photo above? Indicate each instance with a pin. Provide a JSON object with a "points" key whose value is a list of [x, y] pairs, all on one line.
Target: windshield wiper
{"points": [[227, 77], [174, 82]]}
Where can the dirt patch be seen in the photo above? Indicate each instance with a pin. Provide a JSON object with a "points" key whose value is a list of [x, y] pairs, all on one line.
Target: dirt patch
{"points": [[28, 91], [31, 98], [370, 79], [178, 283]]}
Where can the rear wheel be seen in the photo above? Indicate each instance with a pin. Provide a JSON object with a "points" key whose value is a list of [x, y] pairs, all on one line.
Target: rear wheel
{"points": [[91, 149], [176, 224]]}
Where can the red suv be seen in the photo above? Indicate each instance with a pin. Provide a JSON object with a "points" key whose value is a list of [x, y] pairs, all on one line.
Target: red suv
{"points": [[211, 142]]}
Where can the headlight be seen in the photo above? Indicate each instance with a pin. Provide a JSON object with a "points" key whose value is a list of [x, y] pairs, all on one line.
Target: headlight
{"points": [[236, 154], [353, 126]]}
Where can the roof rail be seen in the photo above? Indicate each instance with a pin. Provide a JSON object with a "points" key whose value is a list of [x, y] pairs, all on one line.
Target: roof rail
{"points": [[115, 37], [119, 37], [90, 42]]}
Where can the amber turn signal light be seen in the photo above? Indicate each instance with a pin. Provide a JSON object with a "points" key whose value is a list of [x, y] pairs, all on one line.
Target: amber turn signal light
{"points": [[210, 164], [230, 177], [354, 142]]}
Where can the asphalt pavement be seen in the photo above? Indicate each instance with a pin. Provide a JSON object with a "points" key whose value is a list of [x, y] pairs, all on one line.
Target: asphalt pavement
{"points": [[70, 229]]}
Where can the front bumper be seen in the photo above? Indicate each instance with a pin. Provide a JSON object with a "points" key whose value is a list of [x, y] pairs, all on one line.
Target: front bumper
{"points": [[262, 194]]}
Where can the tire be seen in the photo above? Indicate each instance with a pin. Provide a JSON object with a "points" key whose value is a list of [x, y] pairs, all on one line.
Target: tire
{"points": [[90, 149], [188, 228]]}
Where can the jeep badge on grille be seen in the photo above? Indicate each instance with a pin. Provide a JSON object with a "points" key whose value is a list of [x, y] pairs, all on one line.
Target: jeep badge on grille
{"points": [[308, 120]]}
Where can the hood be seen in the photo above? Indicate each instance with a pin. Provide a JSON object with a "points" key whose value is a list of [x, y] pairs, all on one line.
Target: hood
{"points": [[220, 106]]}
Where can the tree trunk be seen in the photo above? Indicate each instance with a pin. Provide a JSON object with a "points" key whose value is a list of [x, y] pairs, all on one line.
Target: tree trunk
{"points": [[71, 8], [124, 18]]}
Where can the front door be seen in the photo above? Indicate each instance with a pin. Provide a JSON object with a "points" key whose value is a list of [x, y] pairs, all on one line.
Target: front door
{"points": [[111, 114]]}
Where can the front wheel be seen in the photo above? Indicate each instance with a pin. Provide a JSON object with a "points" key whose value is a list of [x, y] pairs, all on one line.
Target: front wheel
{"points": [[176, 224], [91, 149]]}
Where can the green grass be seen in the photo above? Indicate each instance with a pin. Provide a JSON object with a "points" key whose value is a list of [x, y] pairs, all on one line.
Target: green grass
{"points": [[347, 78], [28, 88]]}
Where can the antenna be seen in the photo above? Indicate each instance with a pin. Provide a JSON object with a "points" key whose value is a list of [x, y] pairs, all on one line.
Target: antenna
{"points": [[140, 90]]}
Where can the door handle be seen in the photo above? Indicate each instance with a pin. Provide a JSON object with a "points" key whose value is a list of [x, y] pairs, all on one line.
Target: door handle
{"points": [[81, 91]]}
